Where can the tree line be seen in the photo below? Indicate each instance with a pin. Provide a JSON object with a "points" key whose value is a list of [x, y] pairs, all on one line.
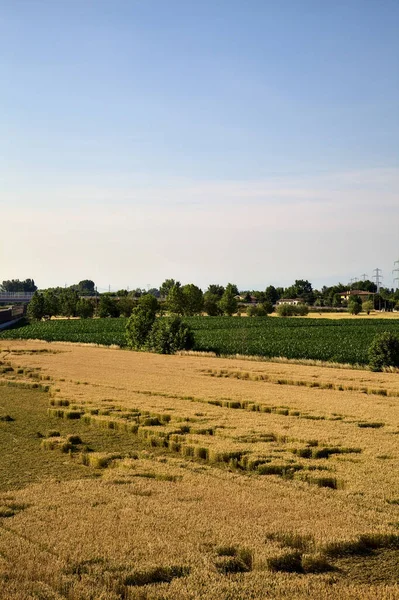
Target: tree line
{"points": [[83, 300]]}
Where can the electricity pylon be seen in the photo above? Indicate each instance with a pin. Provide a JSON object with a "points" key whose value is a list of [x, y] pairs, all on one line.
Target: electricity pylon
{"points": [[378, 278], [396, 273]]}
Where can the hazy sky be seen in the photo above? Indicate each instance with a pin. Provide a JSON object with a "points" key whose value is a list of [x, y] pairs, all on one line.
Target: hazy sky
{"points": [[252, 141]]}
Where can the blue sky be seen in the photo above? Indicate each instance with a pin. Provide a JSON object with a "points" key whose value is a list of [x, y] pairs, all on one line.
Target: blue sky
{"points": [[208, 141]]}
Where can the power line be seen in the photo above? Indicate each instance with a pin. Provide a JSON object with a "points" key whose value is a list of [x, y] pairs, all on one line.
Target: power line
{"points": [[396, 270], [378, 278], [364, 275]]}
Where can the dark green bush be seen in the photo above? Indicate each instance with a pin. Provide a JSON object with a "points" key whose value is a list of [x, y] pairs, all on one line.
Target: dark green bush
{"points": [[354, 307], [108, 307], [260, 310], [85, 308], [252, 311], [292, 310], [384, 351], [267, 307], [285, 310], [302, 310], [167, 336]]}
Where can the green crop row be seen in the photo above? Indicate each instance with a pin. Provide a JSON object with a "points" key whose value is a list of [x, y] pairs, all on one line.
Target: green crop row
{"points": [[344, 341], [95, 331], [338, 340]]}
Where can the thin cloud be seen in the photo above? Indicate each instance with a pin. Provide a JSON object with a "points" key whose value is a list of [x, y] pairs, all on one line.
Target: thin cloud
{"points": [[252, 232]]}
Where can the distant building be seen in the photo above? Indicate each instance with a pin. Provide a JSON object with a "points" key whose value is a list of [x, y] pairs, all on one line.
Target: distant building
{"points": [[246, 298], [360, 293], [292, 301]]}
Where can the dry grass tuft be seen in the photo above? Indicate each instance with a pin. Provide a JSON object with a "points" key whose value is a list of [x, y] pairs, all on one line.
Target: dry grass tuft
{"points": [[156, 575]]}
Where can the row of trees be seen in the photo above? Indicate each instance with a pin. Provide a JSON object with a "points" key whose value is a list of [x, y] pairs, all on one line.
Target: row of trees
{"points": [[15, 285], [189, 299], [67, 302]]}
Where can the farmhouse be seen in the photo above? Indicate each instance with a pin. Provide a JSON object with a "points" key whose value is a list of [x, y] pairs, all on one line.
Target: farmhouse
{"points": [[292, 301], [362, 295], [249, 298]]}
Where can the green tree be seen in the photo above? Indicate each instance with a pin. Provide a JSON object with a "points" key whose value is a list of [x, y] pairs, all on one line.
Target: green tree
{"points": [[368, 306], [384, 351], [365, 286], [168, 336], [232, 288], [167, 285], [290, 292], [68, 301], [354, 307], [36, 307], [139, 326], [211, 306], [271, 294], [252, 311], [108, 307], [216, 290], [302, 289], [332, 295], [154, 292], [260, 296], [51, 303], [84, 308], [175, 300], [15, 285], [228, 303], [280, 292], [337, 300], [86, 287], [193, 300], [148, 302], [267, 306], [126, 305]]}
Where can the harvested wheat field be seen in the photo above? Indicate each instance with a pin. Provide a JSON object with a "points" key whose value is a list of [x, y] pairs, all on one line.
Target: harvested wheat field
{"points": [[137, 476]]}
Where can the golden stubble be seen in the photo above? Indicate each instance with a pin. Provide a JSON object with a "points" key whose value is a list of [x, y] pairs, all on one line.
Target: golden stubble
{"points": [[173, 510]]}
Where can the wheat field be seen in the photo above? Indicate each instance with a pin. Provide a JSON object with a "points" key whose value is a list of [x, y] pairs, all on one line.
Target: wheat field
{"points": [[131, 475]]}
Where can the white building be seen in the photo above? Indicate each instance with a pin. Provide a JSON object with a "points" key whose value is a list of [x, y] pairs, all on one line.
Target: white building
{"points": [[292, 301]]}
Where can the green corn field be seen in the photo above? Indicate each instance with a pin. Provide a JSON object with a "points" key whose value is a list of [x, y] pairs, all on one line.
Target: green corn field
{"points": [[344, 341]]}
